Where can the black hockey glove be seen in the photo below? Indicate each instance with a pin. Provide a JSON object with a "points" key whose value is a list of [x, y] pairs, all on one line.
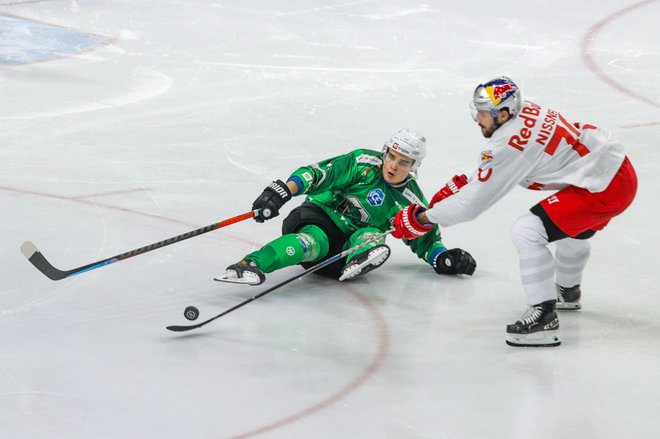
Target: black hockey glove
{"points": [[454, 261], [271, 200]]}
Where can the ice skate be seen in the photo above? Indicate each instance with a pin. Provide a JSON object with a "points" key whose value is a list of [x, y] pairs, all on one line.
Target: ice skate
{"points": [[538, 326], [243, 272], [568, 298], [365, 262]]}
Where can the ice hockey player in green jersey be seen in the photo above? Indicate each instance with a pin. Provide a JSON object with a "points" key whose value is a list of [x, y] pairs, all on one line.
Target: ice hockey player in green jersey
{"points": [[350, 199]]}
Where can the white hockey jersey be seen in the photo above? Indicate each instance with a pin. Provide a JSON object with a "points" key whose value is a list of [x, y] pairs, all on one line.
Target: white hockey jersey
{"points": [[539, 150]]}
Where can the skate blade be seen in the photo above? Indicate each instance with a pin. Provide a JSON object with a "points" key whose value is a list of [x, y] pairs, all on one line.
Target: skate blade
{"points": [[567, 306], [537, 339], [373, 261], [236, 280]]}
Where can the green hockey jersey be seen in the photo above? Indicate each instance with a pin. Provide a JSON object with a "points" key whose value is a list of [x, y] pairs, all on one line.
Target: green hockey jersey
{"points": [[351, 189]]}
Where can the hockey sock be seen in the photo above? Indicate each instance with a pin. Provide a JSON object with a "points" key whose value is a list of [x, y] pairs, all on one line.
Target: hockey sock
{"points": [[537, 266], [571, 257], [310, 243]]}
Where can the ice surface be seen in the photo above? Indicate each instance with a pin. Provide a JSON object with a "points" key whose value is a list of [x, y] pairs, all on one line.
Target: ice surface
{"points": [[179, 116]]}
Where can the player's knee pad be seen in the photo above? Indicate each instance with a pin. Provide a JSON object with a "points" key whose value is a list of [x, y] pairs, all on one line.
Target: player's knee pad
{"points": [[314, 241], [528, 231]]}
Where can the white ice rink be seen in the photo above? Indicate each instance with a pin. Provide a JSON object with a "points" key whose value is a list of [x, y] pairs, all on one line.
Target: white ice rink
{"points": [[123, 123]]}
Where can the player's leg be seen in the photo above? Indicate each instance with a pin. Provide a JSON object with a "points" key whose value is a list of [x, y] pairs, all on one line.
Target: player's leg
{"points": [[539, 324], [310, 243], [570, 260], [366, 259]]}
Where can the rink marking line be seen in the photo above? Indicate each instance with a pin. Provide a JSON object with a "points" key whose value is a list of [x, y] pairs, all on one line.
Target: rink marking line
{"points": [[383, 345], [641, 125], [77, 199], [105, 194], [585, 51]]}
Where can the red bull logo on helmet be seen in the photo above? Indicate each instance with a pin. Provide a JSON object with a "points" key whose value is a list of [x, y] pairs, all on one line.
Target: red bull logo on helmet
{"points": [[499, 91]]}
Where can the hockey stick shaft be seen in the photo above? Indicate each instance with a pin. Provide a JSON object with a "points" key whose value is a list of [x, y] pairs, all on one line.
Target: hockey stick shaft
{"points": [[316, 267], [32, 253]]}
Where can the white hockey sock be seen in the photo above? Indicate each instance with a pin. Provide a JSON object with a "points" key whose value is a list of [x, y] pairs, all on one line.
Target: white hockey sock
{"points": [[537, 266], [571, 257]]}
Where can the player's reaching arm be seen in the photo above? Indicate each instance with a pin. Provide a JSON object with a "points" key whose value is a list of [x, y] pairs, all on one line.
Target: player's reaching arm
{"points": [[430, 247], [327, 175]]}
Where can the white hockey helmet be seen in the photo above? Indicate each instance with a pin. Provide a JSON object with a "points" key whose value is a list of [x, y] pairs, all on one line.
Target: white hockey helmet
{"points": [[495, 95], [410, 144]]}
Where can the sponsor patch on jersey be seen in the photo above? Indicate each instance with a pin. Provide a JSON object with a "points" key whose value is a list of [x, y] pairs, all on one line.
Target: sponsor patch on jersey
{"points": [[486, 156], [308, 177], [366, 158], [484, 176], [376, 197], [412, 197]]}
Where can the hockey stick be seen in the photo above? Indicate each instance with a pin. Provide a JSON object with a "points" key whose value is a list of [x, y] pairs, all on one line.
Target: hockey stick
{"points": [[32, 253], [316, 267]]}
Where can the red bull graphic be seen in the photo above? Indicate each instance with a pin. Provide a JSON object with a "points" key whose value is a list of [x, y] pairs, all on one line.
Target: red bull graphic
{"points": [[499, 92], [486, 156]]}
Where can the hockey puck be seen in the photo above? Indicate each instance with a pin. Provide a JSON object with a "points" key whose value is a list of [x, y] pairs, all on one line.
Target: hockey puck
{"points": [[191, 313]]}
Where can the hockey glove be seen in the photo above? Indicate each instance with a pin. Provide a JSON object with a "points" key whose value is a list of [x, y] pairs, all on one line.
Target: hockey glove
{"points": [[406, 225], [454, 261], [456, 183], [271, 200]]}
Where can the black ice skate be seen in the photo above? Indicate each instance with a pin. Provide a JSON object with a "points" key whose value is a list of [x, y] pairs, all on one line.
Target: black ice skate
{"points": [[537, 327], [365, 262], [243, 272], [568, 298]]}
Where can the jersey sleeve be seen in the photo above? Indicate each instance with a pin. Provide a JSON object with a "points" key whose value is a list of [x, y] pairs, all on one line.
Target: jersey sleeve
{"points": [[334, 173], [498, 173], [430, 244]]}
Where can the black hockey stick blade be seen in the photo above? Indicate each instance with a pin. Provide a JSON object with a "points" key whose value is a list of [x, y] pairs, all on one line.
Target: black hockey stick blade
{"points": [[179, 328], [32, 253]]}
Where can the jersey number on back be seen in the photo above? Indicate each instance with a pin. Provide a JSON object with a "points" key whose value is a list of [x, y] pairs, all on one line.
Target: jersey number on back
{"points": [[567, 132]]}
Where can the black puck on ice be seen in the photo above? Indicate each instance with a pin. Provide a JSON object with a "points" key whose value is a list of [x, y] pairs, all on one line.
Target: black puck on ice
{"points": [[191, 313]]}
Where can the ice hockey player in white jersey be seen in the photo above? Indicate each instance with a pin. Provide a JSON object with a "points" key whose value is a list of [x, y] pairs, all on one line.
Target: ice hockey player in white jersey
{"points": [[537, 148]]}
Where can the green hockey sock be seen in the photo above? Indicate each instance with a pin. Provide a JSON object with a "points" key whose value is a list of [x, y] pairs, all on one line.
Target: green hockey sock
{"points": [[308, 244]]}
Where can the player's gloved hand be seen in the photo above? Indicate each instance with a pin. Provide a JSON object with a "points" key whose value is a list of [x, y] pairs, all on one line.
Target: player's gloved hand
{"points": [[271, 200], [454, 261], [456, 183], [406, 225]]}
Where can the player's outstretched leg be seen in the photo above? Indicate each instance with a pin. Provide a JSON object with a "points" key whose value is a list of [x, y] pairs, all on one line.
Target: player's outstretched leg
{"points": [[243, 272], [310, 243], [539, 326]]}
